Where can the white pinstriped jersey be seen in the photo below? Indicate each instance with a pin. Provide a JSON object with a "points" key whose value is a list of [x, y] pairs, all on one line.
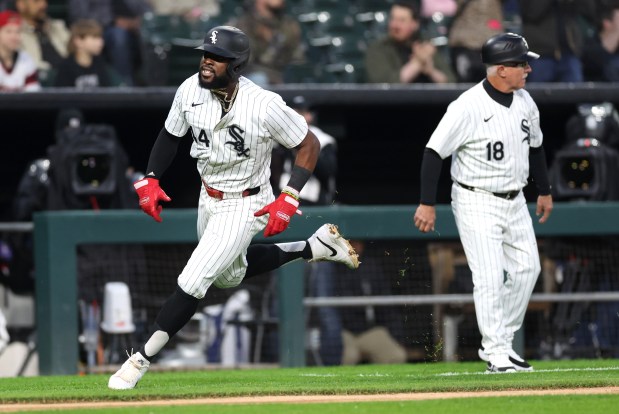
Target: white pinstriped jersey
{"points": [[233, 150], [489, 142]]}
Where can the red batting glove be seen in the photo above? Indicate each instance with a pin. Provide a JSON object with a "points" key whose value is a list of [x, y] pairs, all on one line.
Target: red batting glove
{"points": [[150, 194], [280, 212]]}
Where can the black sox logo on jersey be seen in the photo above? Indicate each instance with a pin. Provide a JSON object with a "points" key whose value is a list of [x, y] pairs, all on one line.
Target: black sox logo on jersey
{"points": [[238, 142], [524, 126]]}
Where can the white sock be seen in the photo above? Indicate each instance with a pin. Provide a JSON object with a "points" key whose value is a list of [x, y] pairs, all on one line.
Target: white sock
{"points": [[297, 246], [155, 343]]}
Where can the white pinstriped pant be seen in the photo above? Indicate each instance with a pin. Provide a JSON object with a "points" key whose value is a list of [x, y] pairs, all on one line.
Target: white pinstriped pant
{"points": [[501, 250], [225, 230]]}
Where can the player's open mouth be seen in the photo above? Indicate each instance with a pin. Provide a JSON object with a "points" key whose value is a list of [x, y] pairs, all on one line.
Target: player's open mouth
{"points": [[206, 72]]}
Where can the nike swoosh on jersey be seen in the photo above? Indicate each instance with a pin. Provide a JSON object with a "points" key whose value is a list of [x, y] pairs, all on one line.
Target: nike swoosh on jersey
{"points": [[196, 104], [488, 119], [333, 252]]}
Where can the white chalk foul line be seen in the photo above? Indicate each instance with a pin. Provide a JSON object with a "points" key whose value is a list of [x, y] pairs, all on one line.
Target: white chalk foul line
{"points": [[455, 374]]}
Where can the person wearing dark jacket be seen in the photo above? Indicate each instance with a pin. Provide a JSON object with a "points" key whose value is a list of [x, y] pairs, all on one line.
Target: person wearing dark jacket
{"points": [[84, 67], [552, 28], [601, 55], [402, 56]]}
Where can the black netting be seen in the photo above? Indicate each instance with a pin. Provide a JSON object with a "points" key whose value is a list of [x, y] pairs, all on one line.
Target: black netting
{"points": [[552, 330]]}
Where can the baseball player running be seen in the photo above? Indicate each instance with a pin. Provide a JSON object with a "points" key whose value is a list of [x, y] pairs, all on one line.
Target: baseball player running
{"points": [[233, 124], [493, 134]]}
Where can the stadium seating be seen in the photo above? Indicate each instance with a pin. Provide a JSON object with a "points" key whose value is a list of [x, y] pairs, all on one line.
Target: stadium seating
{"points": [[336, 34], [168, 48]]}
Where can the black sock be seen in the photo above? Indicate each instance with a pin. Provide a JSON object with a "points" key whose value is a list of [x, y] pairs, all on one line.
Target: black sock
{"points": [[173, 315], [176, 312], [262, 258]]}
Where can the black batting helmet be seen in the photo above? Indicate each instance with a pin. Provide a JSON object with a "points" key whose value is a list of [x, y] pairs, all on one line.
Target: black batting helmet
{"points": [[228, 42], [506, 47]]}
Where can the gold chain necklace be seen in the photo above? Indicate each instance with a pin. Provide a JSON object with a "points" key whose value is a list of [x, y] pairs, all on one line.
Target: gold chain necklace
{"points": [[222, 95]]}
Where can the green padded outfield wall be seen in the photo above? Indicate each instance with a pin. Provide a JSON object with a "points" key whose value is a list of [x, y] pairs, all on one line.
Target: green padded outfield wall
{"points": [[57, 234]]}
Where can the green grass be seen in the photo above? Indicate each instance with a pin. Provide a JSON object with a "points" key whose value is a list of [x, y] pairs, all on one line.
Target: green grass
{"points": [[363, 379]]}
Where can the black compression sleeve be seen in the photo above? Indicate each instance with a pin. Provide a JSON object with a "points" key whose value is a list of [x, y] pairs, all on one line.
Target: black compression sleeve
{"points": [[539, 170], [431, 166], [162, 154]]}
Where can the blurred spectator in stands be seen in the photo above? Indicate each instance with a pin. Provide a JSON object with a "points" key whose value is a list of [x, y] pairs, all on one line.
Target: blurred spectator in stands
{"points": [[121, 21], [512, 21], [445, 7], [474, 22], [84, 67], [319, 191], [369, 331], [43, 38], [191, 10], [402, 56], [275, 39], [436, 17], [552, 28], [601, 54], [18, 72]]}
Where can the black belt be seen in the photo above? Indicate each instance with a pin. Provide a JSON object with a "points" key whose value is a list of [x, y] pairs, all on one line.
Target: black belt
{"points": [[507, 196]]}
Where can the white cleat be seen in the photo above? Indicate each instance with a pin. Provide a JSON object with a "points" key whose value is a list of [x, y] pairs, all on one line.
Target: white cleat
{"points": [[328, 244], [519, 363], [494, 369], [499, 364], [130, 373]]}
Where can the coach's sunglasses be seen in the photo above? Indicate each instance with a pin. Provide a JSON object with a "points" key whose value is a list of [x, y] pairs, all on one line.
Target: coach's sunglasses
{"points": [[516, 64]]}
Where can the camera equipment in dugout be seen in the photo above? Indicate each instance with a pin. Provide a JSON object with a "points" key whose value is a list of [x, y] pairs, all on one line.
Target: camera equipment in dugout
{"points": [[88, 164], [587, 167]]}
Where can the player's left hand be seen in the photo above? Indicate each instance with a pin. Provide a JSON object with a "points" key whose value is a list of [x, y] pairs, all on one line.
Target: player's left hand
{"points": [[425, 217], [544, 207], [280, 213]]}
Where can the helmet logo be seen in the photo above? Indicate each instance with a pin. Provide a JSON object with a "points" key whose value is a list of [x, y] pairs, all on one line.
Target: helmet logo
{"points": [[214, 37]]}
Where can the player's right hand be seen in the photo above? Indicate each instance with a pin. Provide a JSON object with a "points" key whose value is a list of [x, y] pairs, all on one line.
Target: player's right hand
{"points": [[280, 213], [149, 194], [425, 217]]}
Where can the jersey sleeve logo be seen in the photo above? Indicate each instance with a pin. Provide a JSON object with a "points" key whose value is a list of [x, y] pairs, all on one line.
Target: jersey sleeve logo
{"points": [[524, 126], [238, 142]]}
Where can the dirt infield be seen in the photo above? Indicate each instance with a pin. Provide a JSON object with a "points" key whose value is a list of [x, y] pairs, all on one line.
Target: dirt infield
{"points": [[292, 399]]}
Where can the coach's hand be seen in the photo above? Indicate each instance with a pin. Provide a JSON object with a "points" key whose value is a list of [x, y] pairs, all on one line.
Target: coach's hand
{"points": [[280, 212], [149, 194], [544, 207], [425, 217]]}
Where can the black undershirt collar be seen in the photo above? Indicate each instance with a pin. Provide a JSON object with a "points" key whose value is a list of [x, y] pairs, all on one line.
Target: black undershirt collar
{"points": [[501, 98]]}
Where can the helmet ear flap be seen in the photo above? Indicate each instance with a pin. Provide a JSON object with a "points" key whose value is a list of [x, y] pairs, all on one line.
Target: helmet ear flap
{"points": [[238, 64]]}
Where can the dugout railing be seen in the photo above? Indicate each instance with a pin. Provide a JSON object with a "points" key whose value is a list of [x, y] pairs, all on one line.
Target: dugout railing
{"points": [[57, 235]]}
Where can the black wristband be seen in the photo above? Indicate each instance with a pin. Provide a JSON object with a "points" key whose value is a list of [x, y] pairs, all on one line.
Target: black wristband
{"points": [[298, 177]]}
